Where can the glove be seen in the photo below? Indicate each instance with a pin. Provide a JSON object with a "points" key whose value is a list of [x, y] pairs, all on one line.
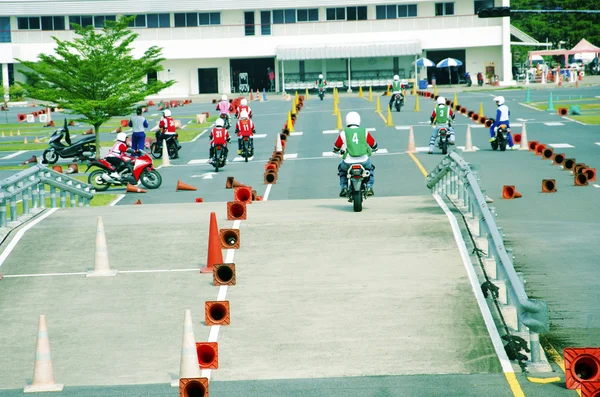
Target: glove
{"points": [[336, 150], [374, 148]]}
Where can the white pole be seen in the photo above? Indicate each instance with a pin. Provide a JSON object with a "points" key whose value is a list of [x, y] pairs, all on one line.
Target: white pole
{"points": [[349, 77], [283, 77]]}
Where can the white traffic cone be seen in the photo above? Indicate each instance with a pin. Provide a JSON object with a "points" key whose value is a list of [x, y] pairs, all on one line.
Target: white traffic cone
{"points": [[101, 265], [278, 147], [43, 374], [189, 367], [165, 154], [469, 143], [411, 141], [524, 141]]}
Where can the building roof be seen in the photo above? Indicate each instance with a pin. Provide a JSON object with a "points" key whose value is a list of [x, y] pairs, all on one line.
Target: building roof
{"points": [[349, 50]]}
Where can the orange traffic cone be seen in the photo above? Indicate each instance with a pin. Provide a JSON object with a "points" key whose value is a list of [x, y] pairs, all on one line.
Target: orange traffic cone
{"points": [[509, 192], [138, 202], [134, 189], [411, 141], [231, 183], [215, 255], [43, 374], [184, 186]]}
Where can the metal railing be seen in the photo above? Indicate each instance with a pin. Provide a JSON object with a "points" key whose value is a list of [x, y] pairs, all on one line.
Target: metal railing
{"points": [[29, 188], [458, 181]]}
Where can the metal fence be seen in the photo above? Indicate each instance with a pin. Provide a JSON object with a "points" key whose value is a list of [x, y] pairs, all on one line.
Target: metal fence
{"points": [[458, 181], [29, 188]]}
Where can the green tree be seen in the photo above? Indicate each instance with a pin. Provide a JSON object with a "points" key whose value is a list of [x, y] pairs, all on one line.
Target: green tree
{"points": [[95, 75]]}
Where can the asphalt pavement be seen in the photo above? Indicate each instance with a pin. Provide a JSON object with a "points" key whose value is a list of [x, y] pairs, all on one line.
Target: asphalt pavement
{"points": [[554, 236]]}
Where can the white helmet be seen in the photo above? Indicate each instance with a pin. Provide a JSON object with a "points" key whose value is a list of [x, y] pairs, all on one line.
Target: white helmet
{"points": [[121, 136], [353, 118], [167, 113], [244, 102], [499, 100], [396, 77], [441, 100], [220, 122], [243, 114], [223, 97], [320, 76]]}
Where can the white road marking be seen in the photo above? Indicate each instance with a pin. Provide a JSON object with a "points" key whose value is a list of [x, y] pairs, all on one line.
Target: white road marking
{"points": [[199, 161], [296, 133], [15, 154], [553, 123], [381, 151], [239, 158], [267, 192], [560, 145], [330, 131], [259, 136], [115, 201], [403, 127], [290, 156]]}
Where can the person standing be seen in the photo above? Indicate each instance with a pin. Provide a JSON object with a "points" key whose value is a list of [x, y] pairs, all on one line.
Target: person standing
{"points": [[271, 75], [138, 123]]}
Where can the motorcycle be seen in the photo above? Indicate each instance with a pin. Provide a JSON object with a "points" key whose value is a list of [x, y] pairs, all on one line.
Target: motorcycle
{"points": [[80, 150], [443, 139], [321, 92], [246, 150], [399, 101], [358, 177], [138, 169], [225, 118], [468, 79], [479, 79], [172, 148], [501, 137], [219, 158]]}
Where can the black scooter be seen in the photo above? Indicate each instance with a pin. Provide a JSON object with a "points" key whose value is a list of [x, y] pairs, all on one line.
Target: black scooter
{"points": [[81, 150]]}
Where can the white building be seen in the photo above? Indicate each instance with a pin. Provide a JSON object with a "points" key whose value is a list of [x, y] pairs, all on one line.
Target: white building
{"points": [[208, 43]]}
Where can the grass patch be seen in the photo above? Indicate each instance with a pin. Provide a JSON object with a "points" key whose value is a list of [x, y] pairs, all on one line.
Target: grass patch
{"points": [[16, 146], [595, 120], [567, 104]]}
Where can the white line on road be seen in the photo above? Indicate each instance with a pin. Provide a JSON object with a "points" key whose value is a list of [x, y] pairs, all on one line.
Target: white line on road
{"points": [[115, 201], [330, 131], [10, 156], [83, 273], [213, 334], [267, 192], [21, 233]]}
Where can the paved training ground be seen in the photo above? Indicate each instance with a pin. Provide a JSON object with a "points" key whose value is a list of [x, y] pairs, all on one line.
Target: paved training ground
{"points": [[328, 302]]}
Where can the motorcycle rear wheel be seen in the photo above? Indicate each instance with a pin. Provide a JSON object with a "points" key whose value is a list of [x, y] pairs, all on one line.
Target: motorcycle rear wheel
{"points": [[155, 151], [95, 179], [151, 179], [357, 201], [495, 145], [444, 147], [50, 156]]}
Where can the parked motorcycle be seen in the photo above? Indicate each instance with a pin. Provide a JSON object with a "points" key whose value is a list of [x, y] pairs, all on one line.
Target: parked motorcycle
{"points": [[138, 169], [443, 139], [501, 137], [80, 150], [321, 92], [480, 79], [247, 150], [219, 158], [399, 101], [172, 147], [468, 79]]}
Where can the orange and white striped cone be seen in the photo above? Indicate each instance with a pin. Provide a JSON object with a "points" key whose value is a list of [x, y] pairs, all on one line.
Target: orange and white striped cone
{"points": [[43, 374]]}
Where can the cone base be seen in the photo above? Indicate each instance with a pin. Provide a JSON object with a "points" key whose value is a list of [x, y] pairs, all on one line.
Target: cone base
{"points": [[175, 383], [206, 270], [43, 388], [108, 273]]}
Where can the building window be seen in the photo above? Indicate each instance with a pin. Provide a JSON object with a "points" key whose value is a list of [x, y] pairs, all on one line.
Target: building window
{"points": [[158, 20], [11, 68], [336, 14], [192, 19], [4, 31], [386, 12], [152, 77], [249, 23], [444, 9], [309, 15], [28, 23], [408, 10], [53, 23], [356, 13], [138, 22], [265, 23], [479, 4], [302, 70], [284, 16], [88, 20]]}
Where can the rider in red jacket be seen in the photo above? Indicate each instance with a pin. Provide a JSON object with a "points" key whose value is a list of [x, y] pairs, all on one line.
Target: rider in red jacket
{"points": [[243, 106], [219, 136], [244, 127]]}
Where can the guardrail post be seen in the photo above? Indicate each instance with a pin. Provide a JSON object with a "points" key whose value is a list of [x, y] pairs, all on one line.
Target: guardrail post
{"points": [[52, 196], [36, 197], [2, 213], [25, 202], [13, 209], [72, 199], [460, 189], [63, 199], [42, 195], [534, 346]]}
